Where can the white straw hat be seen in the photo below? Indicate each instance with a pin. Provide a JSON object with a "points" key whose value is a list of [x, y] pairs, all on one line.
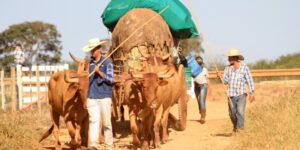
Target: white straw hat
{"points": [[235, 52], [93, 43]]}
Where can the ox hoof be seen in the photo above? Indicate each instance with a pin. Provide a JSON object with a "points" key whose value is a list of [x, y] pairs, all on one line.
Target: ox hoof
{"points": [[136, 142], [145, 146], [157, 146], [58, 147], [72, 144], [78, 140], [164, 140]]}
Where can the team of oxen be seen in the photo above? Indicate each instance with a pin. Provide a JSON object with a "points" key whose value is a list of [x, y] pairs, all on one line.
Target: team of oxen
{"points": [[149, 96]]}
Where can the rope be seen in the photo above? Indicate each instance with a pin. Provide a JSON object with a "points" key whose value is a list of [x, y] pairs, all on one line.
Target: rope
{"points": [[131, 35], [212, 56]]}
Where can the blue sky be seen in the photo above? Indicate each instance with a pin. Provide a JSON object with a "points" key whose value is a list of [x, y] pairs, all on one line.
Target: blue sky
{"points": [[261, 29]]}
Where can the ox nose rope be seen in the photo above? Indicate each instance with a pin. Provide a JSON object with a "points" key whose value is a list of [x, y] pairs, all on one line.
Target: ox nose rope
{"points": [[130, 36]]}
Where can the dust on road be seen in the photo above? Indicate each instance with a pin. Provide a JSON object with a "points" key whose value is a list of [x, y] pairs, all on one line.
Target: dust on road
{"points": [[213, 135]]}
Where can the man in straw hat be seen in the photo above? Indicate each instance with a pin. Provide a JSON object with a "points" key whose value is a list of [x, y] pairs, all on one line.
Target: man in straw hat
{"points": [[236, 76], [99, 94]]}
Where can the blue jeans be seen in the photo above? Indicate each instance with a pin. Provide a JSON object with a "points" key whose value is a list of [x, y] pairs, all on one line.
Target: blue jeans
{"points": [[201, 93], [237, 112]]}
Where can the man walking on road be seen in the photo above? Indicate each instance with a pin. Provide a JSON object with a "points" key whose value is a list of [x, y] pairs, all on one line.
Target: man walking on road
{"points": [[200, 89], [236, 76], [99, 95]]}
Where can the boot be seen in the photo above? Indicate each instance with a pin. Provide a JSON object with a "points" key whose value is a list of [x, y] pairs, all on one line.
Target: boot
{"points": [[203, 114]]}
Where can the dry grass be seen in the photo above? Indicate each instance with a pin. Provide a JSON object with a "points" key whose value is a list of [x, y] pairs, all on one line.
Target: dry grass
{"points": [[24, 130], [273, 124]]}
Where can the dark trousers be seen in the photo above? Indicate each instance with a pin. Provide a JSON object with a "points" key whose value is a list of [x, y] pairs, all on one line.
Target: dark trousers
{"points": [[237, 111]]}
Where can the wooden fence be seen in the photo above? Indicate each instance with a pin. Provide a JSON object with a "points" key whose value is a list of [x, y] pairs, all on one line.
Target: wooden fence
{"points": [[266, 73], [255, 74], [35, 79], [31, 89]]}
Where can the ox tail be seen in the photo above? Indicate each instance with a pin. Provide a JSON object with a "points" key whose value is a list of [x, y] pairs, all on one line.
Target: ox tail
{"points": [[47, 133], [180, 123], [182, 109]]}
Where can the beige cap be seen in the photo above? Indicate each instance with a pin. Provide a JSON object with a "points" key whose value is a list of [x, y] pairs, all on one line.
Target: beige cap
{"points": [[93, 43]]}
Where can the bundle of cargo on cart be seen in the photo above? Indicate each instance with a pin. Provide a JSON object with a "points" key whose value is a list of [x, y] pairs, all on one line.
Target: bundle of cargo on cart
{"points": [[148, 79], [176, 18]]}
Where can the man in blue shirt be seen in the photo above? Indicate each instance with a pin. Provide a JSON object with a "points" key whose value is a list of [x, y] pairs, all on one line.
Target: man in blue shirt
{"points": [[236, 76], [99, 94]]}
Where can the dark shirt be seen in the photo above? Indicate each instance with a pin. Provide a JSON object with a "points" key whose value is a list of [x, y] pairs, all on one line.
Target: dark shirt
{"points": [[101, 87]]}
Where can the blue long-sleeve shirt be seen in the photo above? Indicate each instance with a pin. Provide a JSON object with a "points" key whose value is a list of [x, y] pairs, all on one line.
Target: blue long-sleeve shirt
{"points": [[101, 87]]}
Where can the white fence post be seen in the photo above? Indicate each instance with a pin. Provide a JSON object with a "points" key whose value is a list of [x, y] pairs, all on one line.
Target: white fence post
{"points": [[38, 89], [20, 87], [45, 84], [13, 92], [3, 101]]}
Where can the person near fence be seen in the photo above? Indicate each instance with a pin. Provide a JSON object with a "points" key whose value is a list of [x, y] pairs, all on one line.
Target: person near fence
{"points": [[19, 60], [99, 94], [200, 88], [236, 76]]}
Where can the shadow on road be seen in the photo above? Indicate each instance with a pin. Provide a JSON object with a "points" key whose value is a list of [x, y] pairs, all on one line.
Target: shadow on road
{"points": [[223, 134]]}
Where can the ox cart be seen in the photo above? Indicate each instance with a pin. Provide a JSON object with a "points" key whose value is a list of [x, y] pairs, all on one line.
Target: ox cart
{"points": [[147, 79]]}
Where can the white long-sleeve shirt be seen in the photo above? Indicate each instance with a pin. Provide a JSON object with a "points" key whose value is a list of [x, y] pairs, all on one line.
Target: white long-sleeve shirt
{"points": [[202, 77]]}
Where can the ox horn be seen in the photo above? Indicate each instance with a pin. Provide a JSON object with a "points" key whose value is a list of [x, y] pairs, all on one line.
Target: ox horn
{"points": [[165, 76], [76, 59], [71, 78], [137, 75], [166, 57]]}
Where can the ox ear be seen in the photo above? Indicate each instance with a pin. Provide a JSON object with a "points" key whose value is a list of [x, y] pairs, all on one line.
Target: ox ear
{"points": [[162, 82], [71, 91]]}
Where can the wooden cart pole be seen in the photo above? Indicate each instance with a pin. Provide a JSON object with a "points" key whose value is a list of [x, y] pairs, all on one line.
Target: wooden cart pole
{"points": [[3, 101], [38, 89], [13, 92]]}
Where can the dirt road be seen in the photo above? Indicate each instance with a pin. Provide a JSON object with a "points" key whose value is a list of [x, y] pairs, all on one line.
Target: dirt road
{"points": [[212, 135]]}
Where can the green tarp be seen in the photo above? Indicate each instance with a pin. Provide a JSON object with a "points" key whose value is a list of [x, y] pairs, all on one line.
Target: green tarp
{"points": [[177, 15]]}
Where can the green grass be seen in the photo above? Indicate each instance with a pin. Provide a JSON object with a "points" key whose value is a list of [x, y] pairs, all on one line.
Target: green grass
{"points": [[272, 125]]}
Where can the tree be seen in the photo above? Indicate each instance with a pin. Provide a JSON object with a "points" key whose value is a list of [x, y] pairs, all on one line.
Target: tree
{"points": [[289, 61], [41, 43], [219, 61], [191, 45], [72, 65], [262, 64]]}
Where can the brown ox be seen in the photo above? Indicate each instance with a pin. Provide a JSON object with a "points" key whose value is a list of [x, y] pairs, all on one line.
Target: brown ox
{"points": [[67, 96], [127, 92], [161, 91]]}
